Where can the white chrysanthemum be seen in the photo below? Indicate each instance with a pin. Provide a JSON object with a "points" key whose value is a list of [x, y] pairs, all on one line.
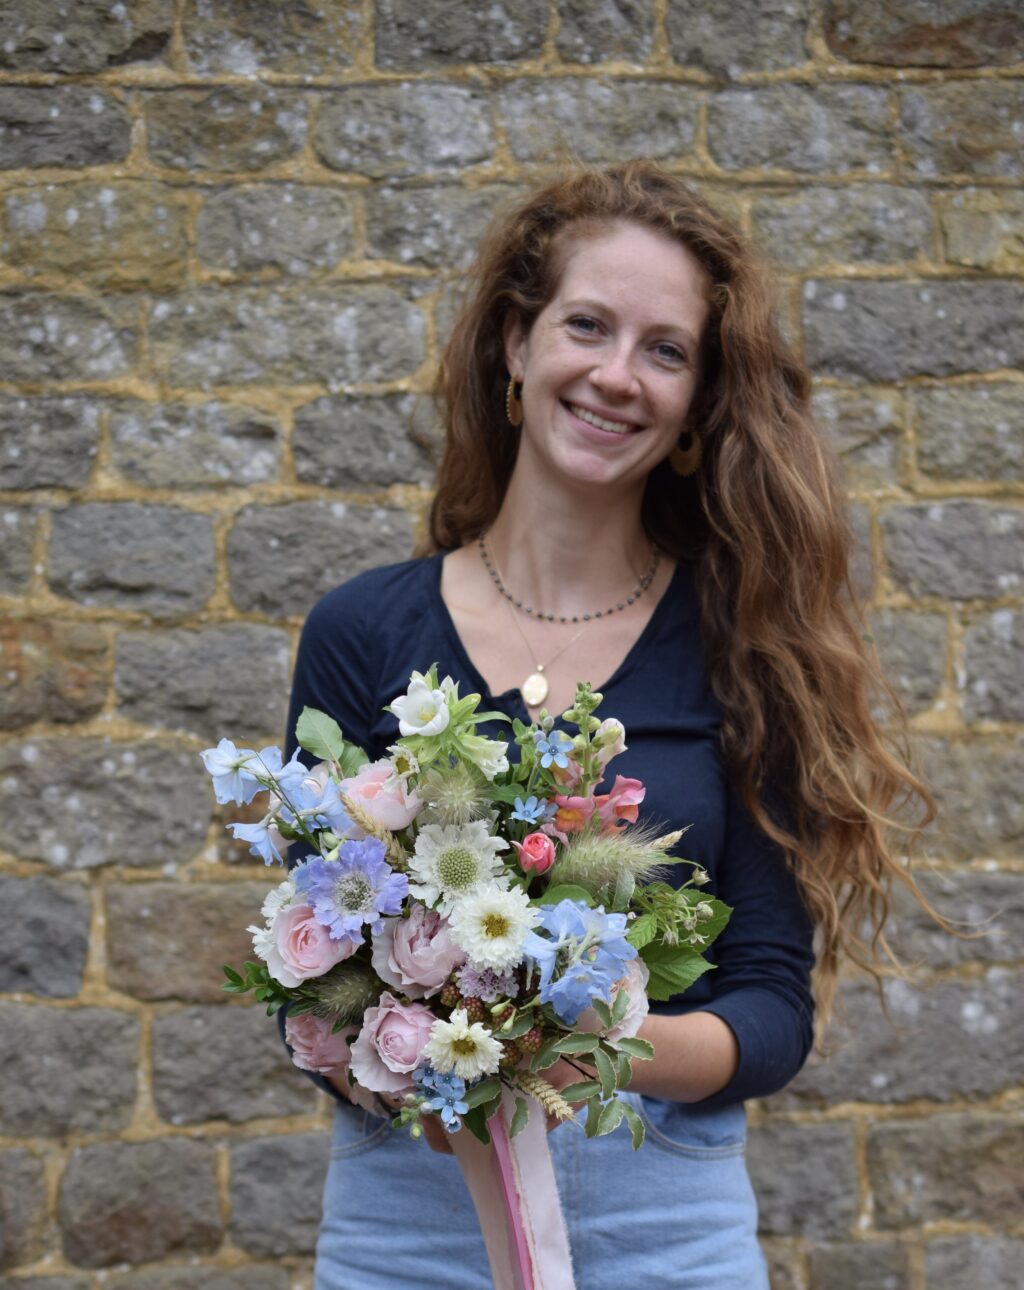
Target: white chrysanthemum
{"points": [[403, 767], [490, 926], [467, 1050], [280, 898], [452, 860], [262, 941]]}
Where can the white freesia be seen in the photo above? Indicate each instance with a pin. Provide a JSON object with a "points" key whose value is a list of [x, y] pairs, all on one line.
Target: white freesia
{"points": [[457, 1046], [491, 924], [421, 710], [452, 860]]}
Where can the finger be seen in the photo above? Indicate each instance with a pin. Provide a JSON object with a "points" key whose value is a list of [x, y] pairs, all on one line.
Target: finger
{"points": [[436, 1136]]}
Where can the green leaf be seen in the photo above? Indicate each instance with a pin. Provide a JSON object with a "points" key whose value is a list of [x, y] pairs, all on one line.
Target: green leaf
{"points": [[476, 1122], [605, 1072], [320, 735], [546, 1055], [563, 891], [610, 1117], [491, 1108], [673, 968], [619, 1007], [604, 1012], [623, 1070], [639, 1048], [642, 931], [593, 1116], [519, 1026], [581, 1043], [482, 1092], [351, 760], [234, 977], [636, 1126], [581, 1090], [519, 1118]]}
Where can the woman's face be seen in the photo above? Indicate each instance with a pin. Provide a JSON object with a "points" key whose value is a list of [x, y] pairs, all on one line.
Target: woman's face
{"points": [[610, 365]]}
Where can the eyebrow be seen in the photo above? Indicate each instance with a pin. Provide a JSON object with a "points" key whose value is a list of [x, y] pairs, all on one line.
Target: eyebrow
{"points": [[600, 306]]}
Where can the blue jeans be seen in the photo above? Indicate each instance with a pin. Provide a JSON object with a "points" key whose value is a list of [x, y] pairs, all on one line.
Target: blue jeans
{"points": [[678, 1213]]}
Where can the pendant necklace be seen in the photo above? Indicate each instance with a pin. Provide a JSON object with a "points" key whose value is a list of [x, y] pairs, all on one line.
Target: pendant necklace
{"points": [[535, 688]]}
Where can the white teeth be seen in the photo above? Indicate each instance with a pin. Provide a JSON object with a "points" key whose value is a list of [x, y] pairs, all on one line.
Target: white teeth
{"points": [[616, 427]]}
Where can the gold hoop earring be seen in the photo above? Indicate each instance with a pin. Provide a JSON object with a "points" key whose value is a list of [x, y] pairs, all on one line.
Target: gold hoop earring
{"points": [[685, 456], [513, 404]]}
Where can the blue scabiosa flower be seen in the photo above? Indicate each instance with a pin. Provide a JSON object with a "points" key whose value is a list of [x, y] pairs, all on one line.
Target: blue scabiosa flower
{"points": [[533, 810], [356, 889], [553, 748], [580, 953]]}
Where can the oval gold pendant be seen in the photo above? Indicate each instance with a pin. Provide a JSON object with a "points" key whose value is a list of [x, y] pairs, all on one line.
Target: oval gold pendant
{"points": [[535, 689]]}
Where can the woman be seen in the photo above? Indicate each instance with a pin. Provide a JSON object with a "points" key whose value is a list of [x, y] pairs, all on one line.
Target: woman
{"points": [[633, 493]]}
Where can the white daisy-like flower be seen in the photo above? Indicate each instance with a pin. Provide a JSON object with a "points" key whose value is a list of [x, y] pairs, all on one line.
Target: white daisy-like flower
{"points": [[262, 941], [491, 924], [452, 860], [457, 1046], [403, 767], [279, 898]]}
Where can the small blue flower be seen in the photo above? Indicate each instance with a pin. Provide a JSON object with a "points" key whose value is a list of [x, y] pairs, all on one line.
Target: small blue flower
{"points": [[260, 841], [582, 955], [233, 781], [444, 1094], [554, 748], [357, 888], [533, 810]]}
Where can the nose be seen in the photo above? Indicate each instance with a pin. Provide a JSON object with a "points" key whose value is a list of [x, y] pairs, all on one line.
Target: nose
{"points": [[614, 373]]}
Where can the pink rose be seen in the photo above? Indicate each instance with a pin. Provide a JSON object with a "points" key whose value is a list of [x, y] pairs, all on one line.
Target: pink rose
{"points": [[390, 1044], [620, 804], [314, 1048], [302, 947], [536, 853], [416, 954], [393, 807], [635, 985]]}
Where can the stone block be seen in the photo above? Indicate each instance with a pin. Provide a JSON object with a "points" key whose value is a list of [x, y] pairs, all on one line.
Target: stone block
{"points": [[269, 567], [191, 1051], [276, 1186], [436, 227], [748, 36], [966, 1262], [40, 913], [857, 224], [960, 1168], [314, 38], [388, 131], [215, 681], [66, 1070], [112, 234], [963, 128], [44, 1283], [66, 125], [421, 34], [987, 907], [856, 1265], [882, 331], [22, 1207], [87, 37], [97, 802], [18, 530], [193, 445], [984, 230], [133, 1202], [47, 443], [617, 31], [862, 564], [51, 671], [257, 335], [994, 667], [362, 442], [912, 648], [958, 549], [170, 941], [785, 1263], [154, 560], [287, 228], [820, 129], [49, 337], [229, 128], [191, 1276], [805, 1179], [971, 431], [916, 33], [977, 789], [600, 120], [865, 428]]}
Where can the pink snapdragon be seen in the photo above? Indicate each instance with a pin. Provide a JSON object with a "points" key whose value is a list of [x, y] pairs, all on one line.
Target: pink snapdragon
{"points": [[622, 803]]}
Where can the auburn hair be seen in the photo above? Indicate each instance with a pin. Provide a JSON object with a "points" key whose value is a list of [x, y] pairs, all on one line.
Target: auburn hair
{"points": [[764, 520]]}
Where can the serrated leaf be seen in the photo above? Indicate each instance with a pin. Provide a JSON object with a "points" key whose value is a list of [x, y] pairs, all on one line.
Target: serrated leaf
{"points": [[636, 1126], [593, 1116], [546, 1054], [673, 969], [604, 1012], [581, 1090], [519, 1118], [320, 735], [639, 1048], [605, 1072], [476, 1122], [623, 1070], [351, 761], [619, 1007], [610, 1117], [564, 891], [578, 1043], [482, 1092], [642, 931]]}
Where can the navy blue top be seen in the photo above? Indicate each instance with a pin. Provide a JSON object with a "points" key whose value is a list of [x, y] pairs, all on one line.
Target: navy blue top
{"points": [[362, 641]]}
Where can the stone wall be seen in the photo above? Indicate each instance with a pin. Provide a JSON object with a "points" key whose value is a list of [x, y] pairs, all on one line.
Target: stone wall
{"points": [[229, 238]]}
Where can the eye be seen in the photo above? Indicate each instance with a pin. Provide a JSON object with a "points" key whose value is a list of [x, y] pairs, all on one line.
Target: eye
{"points": [[581, 323], [670, 353]]}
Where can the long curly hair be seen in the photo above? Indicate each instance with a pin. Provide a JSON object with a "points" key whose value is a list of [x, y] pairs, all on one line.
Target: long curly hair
{"points": [[764, 519]]}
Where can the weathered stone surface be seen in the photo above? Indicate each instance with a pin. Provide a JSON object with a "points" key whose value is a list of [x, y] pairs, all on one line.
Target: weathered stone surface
{"points": [[988, 908], [387, 131], [744, 37], [51, 671], [916, 33], [804, 1177], [22, 1207], [994, 667], [66, 1069], [66, 338], [124, 555], [209, 681], [419, 34], [253, 1276], [889, 330], [913, 653], [246, 335], [966, 1262], [140, 1201], [171, 941], [963, 128], [276, 1185], [977, 788], [439, 227], [827, 128], [191, 1051], [600, 120], [973, 431], [88, 36], [228, 128], [44, 1283], [785, 1263], [47, 443], [862, 566], [17, 529], [855, 1265], [859, 224], [984, 230], [960, 1167], [268, 559], [958, 549], [95, 802], [68, 125], [193, 445], [865, 427], [286, 227], [359, 443], [40, 913], [617, 31], [314, 38]]}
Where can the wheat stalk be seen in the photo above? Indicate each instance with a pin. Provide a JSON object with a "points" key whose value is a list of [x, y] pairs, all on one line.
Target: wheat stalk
{"points": [[546, 1094], [396, 853]]}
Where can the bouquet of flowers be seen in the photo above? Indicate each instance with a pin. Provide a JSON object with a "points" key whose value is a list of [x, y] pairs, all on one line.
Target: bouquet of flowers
{"points": [[458, 921]]}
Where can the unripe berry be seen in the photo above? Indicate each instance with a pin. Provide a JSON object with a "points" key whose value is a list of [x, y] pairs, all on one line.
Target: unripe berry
{"points": [[532, 1040], [475, 1010], [450, 996]]}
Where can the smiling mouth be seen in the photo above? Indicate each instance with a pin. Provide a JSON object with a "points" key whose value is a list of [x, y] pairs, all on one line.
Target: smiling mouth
{"points": [[602, 423]]}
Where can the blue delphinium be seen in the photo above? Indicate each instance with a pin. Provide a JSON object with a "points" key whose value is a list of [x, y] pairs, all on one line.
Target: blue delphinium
{"points": [[444, 1094], [553, 748], [580, 952], [233, 780], [533, 810], [260, 839], [319, 807], [356, 889]]}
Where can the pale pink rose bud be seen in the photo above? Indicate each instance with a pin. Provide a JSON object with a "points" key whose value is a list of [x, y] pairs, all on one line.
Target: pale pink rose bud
{"points": [[302, 948], [390, 1044], [536, 853], [416, 954], [390, 806]]}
